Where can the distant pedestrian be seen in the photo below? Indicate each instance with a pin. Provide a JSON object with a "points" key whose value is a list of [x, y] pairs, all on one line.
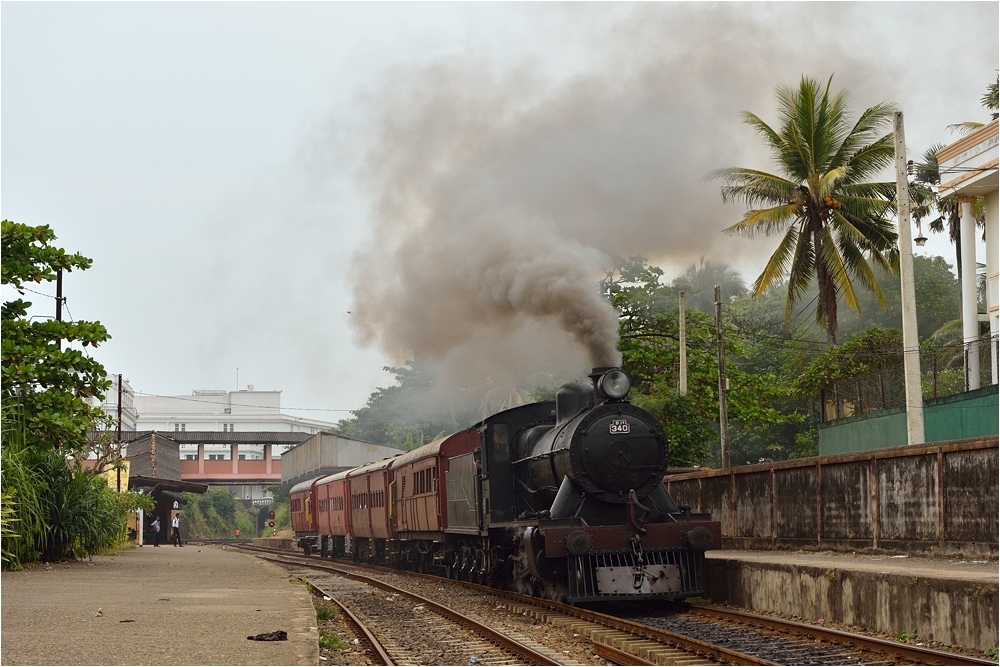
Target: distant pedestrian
{"points": [[237, 533], [156, 532], [175, 535]]}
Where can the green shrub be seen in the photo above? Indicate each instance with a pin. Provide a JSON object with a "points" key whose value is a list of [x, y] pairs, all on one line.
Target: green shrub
{"points": [[52, 507]]}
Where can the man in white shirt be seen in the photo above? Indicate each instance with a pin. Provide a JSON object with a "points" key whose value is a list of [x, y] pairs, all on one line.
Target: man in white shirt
{"points": [[175, 536]]}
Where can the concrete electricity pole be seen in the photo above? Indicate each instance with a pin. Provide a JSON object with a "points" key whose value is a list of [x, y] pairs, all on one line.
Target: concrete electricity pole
{"points": [[723, 382], [911, 343], [682, 387], [118, 436]]}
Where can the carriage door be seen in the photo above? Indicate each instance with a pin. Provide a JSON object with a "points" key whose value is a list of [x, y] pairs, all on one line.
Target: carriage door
{"points": [[462, 483], [392, 506]]}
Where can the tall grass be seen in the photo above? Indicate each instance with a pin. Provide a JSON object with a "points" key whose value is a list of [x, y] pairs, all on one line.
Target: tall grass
{"points": [[23, 525], [53, 508]]}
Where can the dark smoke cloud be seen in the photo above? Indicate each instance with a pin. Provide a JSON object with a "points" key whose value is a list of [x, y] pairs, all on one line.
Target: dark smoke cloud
{"points": [[499, 193]]}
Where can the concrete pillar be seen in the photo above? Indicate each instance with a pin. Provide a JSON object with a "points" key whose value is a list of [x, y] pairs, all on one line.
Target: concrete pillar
{"points": [[234, 454], [201, 459], [970, 315], [267, 458], [993, 275]]}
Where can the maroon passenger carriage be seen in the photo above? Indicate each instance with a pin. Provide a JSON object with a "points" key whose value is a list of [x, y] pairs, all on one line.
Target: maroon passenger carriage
{"points": [[560, 499], [333, 514], [368, 514], [424, 508]]}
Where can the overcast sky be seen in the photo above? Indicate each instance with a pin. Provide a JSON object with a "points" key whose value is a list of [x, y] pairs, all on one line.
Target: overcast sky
{"points": [[308, 192]]}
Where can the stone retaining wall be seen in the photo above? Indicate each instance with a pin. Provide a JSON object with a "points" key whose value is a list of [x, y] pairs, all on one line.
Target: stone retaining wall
{"points": [[939, 499], [951, 611]]}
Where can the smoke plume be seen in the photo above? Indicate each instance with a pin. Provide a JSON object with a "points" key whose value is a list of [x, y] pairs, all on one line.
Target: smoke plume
{"points": [[499, 193]]}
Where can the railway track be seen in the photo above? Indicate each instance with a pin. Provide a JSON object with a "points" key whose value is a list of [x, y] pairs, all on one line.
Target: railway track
{"points": [[404, 627], [788, 637], [691, 634], [609, 643]]}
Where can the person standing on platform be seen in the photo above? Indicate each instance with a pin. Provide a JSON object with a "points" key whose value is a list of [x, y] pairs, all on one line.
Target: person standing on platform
{"points": [[175, 535], [156, 532]]}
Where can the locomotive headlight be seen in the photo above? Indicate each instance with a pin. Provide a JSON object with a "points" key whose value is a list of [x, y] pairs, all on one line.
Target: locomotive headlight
{"points": [[615, 384]]}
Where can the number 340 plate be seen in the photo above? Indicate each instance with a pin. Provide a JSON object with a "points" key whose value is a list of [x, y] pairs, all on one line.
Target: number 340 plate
{"points": [[619, 426]]}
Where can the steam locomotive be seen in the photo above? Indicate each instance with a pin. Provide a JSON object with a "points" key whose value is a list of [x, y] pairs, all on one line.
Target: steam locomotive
{"points": [[563, 500]]}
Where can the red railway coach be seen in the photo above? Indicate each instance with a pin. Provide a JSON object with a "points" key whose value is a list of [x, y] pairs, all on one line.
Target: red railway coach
{"points": [[368, 495], [300, 499], [418, 495], [332, 514]]}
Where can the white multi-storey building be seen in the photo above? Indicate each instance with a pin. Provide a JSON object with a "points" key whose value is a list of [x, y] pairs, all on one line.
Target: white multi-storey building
{"points": [[221, 410]]}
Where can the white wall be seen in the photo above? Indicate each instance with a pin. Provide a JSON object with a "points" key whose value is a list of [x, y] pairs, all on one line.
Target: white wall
{"points": [[223, 411]]}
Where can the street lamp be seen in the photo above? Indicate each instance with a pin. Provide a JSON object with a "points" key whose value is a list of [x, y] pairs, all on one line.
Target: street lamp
{"points": [[921, 239]]}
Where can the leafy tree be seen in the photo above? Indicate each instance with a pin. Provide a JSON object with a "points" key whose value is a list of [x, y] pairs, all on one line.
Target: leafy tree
{"points": [[411, 413], [876, 350], [648, 329], [216, 514], [51, 383], [938, 302], [760, 400], [833, 220], [767, 419], [689, 431]]}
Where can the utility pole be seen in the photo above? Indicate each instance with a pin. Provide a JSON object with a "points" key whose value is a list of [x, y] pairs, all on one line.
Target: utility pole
{"points": [[682, 387], [723, 382], [118, 434], [59, 302], [911, 343]]}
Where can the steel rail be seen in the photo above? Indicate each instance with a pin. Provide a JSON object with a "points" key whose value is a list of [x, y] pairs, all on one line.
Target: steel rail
{"points": [[617, 656], [916, 654], [360, 628], [530, 655]]}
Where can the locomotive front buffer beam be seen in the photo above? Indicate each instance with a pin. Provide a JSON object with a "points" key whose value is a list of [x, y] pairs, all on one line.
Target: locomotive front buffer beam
{"points": [[699, 533]]}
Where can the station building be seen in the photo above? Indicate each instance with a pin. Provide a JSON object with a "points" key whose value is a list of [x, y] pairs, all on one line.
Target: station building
{"points": [[231, 439]]}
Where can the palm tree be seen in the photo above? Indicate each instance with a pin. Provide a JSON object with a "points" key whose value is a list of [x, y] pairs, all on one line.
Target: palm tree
{"points": [[834, 222], [990, 100]]}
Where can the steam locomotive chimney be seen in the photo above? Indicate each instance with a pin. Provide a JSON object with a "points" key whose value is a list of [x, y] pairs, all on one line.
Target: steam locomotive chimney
{"points": [[595, 376]]}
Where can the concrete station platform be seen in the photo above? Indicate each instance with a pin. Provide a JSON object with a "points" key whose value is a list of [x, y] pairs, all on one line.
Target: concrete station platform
{"points": [[952, 601], [190, 605]]}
